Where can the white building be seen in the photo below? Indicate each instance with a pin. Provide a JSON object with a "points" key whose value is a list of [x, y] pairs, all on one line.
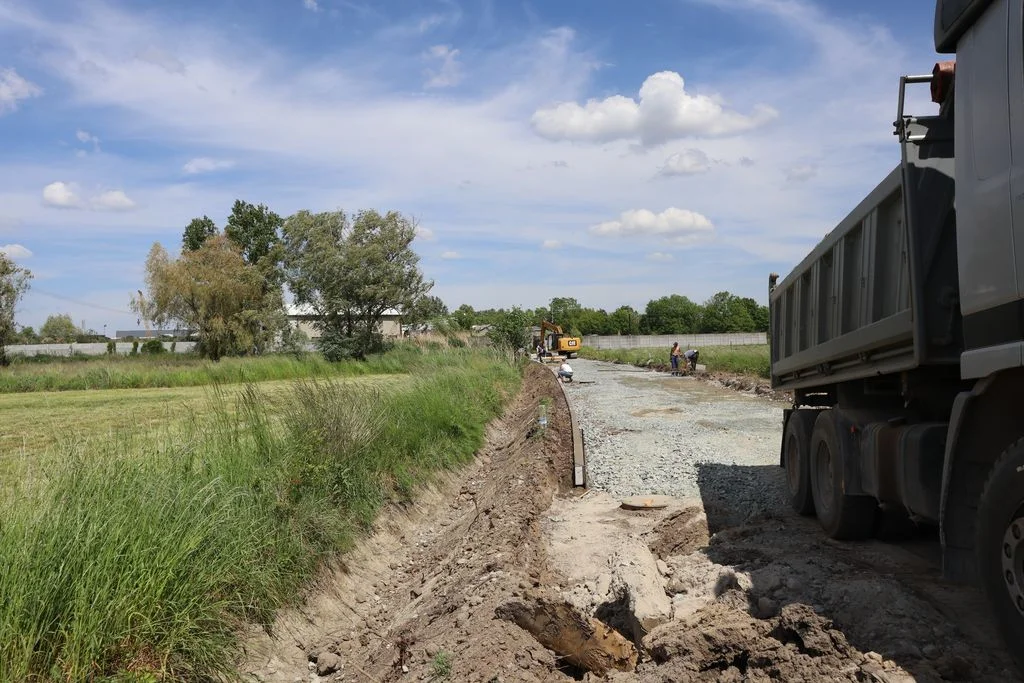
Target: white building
{"points": [[303, 317]]}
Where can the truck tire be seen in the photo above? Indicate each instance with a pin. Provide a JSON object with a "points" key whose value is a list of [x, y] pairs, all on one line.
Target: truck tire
{"points": [[796, 448], [999, 544], [841, 516]]}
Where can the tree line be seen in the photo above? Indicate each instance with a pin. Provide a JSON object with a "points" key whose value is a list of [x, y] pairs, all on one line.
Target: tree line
{"points": [[227, 285], [672, 314]]}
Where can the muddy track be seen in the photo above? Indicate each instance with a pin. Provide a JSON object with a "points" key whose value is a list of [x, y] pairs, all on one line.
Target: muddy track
{"points": [[503, 572]]}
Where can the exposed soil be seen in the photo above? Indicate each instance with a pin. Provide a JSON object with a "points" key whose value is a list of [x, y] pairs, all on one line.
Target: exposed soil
{"points": [[502, 572]]}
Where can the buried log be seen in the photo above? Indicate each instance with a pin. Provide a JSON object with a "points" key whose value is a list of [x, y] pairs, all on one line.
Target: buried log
{"points": [[579, 640]]}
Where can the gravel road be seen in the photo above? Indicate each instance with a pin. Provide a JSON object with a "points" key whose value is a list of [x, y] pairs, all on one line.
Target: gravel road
{"points": [[648, 432]]}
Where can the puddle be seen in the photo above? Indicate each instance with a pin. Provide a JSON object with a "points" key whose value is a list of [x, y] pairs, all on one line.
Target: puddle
{"points": [[647, 412]]}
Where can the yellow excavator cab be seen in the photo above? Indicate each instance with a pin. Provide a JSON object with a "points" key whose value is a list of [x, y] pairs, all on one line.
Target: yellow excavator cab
{"points": [[559, 342]]}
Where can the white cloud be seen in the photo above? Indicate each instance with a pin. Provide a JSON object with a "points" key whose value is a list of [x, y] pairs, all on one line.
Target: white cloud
{"points": [[450, 255], [113, 200], [15, 251], [13, 89], [678, 226], [424, 233], [206, 165], [449, 73], [660, 257], [61, 195], [687, 162], [87, 138], [161, 58], [664, 111], [311, 5], [551, 244], [801, 173]]}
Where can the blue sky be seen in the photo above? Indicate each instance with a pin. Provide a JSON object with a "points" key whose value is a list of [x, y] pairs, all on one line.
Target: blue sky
{"points": [[612, 151]]}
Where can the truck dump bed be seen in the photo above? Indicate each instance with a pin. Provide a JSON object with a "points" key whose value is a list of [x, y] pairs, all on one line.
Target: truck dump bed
{"points": [[878, 294]]}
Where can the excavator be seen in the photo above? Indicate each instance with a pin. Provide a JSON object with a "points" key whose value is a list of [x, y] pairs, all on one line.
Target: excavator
{"points": [[559, 342]]}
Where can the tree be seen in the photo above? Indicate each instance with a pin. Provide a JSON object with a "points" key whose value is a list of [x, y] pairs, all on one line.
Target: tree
{"points": [[256, 230], [213, 291], [673, 314], [350, 271], [464, 317], [425, 309], [565, 312], [624, 320], [13, 284], [725, 312], [592, 321], [197, 232], [759, 314], [511, 331], [60, 328]]}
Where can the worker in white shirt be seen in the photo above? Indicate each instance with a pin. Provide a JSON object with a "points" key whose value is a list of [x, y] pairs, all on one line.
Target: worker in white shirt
{"points": [[565, 371]]}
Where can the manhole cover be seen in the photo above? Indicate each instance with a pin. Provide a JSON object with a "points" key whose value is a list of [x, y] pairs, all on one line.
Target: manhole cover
{"points": [[647, 502]]}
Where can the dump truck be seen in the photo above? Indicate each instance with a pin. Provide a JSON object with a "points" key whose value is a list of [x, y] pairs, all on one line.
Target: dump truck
{"points": [[901, 335]]}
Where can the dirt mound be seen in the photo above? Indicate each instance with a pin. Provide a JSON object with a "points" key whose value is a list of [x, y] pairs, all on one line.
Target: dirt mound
{"points": [[724, 644], [680, 533]]}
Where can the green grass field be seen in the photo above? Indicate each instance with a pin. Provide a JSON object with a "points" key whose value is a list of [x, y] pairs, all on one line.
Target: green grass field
{"points": [[137, 551], [171, 370], [742, 360]]}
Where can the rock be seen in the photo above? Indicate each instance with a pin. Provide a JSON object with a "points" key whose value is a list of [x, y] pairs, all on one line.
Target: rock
{"points": [[873, 657], [663, 568], [930, 651], [766, 608], [327, 663], [431, 649]]}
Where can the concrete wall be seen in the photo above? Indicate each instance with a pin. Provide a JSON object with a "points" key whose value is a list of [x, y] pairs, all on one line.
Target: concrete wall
{"points": [[92, 349], [647, 341]]}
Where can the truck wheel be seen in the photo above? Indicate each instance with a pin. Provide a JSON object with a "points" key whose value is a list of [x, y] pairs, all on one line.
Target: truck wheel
{"points": [[999, 544], [842, 516], [796, 451]]}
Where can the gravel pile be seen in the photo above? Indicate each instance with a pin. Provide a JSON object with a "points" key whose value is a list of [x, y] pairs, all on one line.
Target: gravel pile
{"points": [[648, 432]]}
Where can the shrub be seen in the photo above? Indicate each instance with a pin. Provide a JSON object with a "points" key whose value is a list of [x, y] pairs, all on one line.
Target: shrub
{"points": [[153, 347]]}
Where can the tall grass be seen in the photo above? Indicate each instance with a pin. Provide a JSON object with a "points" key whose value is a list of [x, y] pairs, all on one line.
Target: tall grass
{"points": [[129, 561], [139, 372], [742, 360]]}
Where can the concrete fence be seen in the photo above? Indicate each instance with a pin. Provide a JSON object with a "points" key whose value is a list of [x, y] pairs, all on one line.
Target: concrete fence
{"points": [[89, 349], [648, 341]]}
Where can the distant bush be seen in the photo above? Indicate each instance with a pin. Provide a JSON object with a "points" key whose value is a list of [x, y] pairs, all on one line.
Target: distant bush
{"points": [[111, 347], [135, 347], [153, 347]]}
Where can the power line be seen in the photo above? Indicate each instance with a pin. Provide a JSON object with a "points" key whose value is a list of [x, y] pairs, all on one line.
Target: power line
{"points": [[68, 299]]}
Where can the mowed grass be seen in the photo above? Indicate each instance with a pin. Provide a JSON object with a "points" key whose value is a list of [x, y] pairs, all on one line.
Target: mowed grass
{"points": [[742, 360], [180, 370], [140, 559], [35, 424]]}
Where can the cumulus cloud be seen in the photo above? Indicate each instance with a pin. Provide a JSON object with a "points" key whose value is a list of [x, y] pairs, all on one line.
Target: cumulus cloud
{"points": [[551, 244], [687, 162], [15, 251], [678, 226], [61, 195], [86, 138], [664, 111], [449, 72], [311, 5], [660, 257], [206, 165], [450, 255], [802, 173], [113, 200], [13, 89], [424, 233]]}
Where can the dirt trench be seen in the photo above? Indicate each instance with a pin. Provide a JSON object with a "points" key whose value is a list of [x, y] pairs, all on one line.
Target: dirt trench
{"points": [[503, 572]]}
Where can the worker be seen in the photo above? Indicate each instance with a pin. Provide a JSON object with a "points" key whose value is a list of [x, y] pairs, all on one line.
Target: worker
{"points": [[673, 356], [691, 357], [540, 352], [565, 372]]}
